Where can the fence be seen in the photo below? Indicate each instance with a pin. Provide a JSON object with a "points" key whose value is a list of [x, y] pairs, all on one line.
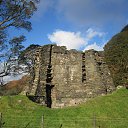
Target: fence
{"points": [[45, 121], [86, 122]]}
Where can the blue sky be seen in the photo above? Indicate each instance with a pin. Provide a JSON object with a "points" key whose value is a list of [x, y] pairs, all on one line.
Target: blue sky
{"points": [[77, 24]]}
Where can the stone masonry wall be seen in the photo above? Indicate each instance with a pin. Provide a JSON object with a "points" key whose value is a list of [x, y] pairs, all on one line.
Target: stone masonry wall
{"points": [[69, 77]]}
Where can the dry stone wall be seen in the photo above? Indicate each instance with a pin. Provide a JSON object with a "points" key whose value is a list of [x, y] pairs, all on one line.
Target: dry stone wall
{"points": [[69, 77]]}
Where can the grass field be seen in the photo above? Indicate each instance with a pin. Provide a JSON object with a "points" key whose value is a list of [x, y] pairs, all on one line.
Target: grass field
{"points": [[109, 111]]}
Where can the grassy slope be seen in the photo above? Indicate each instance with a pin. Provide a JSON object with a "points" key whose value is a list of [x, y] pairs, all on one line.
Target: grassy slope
{"points": [[111, 111]]}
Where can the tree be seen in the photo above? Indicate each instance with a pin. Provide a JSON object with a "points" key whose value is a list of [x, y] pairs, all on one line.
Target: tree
{"points": [[16, 45], [27, 57], [11, 59], [15, 50], [16, 13], [13, 13]]}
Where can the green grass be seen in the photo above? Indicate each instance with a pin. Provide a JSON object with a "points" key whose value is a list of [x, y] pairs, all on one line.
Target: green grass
{"points": [[109, 111]]}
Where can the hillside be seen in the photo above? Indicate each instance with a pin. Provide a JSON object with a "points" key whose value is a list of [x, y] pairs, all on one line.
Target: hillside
{"points": [[102, 112], [14, 87], [116, 56]]}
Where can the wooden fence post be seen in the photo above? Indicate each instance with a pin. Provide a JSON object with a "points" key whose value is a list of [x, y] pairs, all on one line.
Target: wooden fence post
{"points": [[1, 121], [94, 121], [42, 122]]}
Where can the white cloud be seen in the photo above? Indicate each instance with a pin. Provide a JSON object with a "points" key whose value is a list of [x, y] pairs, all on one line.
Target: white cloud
{"points": [[71, 40], [90, 33], [94, 46], [75, 40]]}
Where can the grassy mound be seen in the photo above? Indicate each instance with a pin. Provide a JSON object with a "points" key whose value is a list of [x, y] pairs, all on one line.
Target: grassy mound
{"points": [[102, 112]]}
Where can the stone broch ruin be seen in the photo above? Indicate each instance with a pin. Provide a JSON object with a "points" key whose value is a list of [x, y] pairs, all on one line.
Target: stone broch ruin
{"points": [[68, 77]]}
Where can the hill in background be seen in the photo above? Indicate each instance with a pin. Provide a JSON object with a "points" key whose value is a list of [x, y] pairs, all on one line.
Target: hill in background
{"points": [[116, 56]]}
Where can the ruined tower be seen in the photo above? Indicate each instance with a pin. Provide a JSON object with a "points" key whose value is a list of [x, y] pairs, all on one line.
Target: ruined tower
{"points": [[69, 77]]}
